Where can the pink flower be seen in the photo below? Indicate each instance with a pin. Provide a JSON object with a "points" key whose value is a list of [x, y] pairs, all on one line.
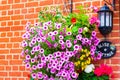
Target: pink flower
{"points": [[94, 20], [103, 70]]}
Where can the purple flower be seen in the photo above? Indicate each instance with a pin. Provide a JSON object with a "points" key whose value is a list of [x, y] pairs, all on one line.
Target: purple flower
{"points": [[74, 75], [52, 70], [39, 39], [53, 38], [55, 45], [22, 53], [49, 66], [40, 75], [45, 77], [41, 50], [24, 44], [36, 24], [64, 74], [79, 37], [40, 65], [45, 27], [61, 42], [55, 32], [76, 47], [34, 75], [32, 52], [93, 33], [69, 33], [80, 30], [58, 25], [75, 41], [50, 34], [27, 65], [68, 41], [92, 52], [62, 46], [60, 36], [99, 56], [28, 57], [32, 60], [69, 45], [34, 67]]}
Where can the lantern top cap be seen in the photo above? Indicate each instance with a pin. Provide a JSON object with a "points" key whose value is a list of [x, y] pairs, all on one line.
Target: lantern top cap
{"points": [[104, 8]]}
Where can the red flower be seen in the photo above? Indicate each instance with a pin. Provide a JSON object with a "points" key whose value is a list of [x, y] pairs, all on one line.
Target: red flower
{"points": [[103, 70], [28, 75], [73, 20]]}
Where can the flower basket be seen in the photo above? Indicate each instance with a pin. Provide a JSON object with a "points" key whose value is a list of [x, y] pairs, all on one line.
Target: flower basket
{"points": [[60, 47]]}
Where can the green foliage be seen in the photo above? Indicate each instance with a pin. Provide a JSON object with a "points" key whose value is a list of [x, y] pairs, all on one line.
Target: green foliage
{"points": [[91, 76]]}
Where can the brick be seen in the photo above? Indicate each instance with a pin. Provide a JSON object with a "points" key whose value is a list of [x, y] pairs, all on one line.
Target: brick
{"points": [[2, 45], [25, 74], [30, 16], [115, 61], [17, 17], [15, 6], [115, 34], [2, 57], [15, 50], [5, 18], [16, 45], [4, 12], [9, 45], [2, 68], [3, 34], [4, 29], [16, 28], [16, 22], [15, 56], [23, 0], [3, 62], [47, 2], [16, 74], [15, 68], [7, 78], [5, 7], [9, 34], [5, 51], [23, 22], [17, 1], [3, 23], [31, 4], [116, 68], [10, 1], [3, 74], [22, 68], [96, 3], [16, 39], [10, 23], [115, 21], [9, 56], [4, 39], [24, 11], [10, 12], [16, 34], [31, 10], [8, 68], [17, 12], [4, 2], [15, 62]]}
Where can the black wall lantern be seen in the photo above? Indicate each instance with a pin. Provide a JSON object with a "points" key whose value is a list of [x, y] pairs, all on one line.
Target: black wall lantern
{"points": [[106, 25], [106, 20]]}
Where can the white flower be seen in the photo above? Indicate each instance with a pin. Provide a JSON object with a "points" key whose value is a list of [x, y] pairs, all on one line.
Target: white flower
{"points": [[89, 68]]}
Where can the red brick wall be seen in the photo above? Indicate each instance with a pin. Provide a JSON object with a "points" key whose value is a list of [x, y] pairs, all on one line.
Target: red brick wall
{"points": [[13, 16]]}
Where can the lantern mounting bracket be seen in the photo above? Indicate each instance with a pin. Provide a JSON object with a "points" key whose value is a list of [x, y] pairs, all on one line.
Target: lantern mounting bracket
{"points": [[112, 4]]}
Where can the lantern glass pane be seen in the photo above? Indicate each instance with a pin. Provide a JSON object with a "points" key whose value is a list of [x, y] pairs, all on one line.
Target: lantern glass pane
{"points": [[102, 19], [107, 19], [110, 19]]}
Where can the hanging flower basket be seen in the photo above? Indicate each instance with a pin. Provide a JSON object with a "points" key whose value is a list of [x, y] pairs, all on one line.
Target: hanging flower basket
{"points": [[60, 47]]}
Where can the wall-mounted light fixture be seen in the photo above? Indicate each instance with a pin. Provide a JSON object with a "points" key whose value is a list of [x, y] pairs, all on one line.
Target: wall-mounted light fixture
{"points": [[106, 20]]}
